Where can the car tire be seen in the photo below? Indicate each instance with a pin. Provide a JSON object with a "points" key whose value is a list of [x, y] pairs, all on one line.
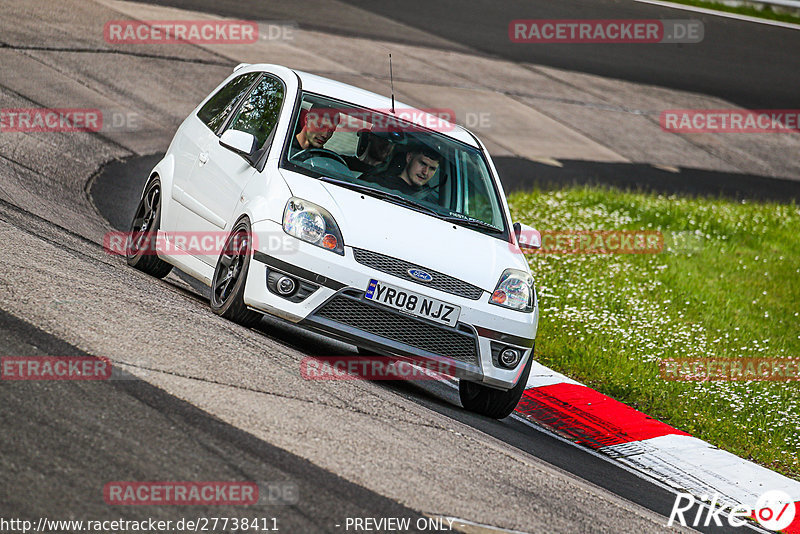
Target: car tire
{"points": [[230, 276], [140, 251], [491, 402]]}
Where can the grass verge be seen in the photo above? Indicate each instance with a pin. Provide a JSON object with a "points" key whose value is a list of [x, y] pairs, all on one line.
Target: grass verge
{"points": [[765, 12], [727, 285]]}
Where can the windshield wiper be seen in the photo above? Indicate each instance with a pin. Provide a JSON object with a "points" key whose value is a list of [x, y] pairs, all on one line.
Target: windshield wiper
{"points": [[408, 202], [384, 195], [473, 223]]}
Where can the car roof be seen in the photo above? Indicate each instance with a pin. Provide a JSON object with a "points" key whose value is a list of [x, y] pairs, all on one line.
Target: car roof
{"points": [[355, 95]]}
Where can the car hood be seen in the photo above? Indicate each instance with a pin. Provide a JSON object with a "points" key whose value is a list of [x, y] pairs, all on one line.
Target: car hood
{"points": [[380, 226]]}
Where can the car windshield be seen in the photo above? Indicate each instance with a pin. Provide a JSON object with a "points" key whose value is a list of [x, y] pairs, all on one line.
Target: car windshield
{"points": [[378, 153]]}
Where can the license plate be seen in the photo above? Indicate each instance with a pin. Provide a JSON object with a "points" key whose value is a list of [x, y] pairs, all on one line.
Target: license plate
{"points": [[413, 303]]}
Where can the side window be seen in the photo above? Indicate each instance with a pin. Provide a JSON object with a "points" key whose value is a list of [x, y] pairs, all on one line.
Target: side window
{"points": [[216, 110], [259, 113], [477, 197]]}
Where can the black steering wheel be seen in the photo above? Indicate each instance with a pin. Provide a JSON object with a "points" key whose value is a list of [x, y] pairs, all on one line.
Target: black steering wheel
{"points": [[322, 152]]}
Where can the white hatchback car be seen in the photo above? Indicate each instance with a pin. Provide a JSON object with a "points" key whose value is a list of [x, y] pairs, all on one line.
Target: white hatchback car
{"points": [[394, 235]]}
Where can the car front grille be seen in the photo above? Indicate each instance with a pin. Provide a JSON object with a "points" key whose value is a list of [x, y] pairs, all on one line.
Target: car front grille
{"points": [[376, 320], [399, 268]]}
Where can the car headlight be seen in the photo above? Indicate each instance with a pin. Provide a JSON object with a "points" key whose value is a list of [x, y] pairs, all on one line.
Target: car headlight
{"points": [[313, 224], [514, 290]]}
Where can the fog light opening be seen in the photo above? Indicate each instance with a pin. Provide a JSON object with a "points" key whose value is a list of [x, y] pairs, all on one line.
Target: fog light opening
{"points": [[509, 358], [285, 286]]}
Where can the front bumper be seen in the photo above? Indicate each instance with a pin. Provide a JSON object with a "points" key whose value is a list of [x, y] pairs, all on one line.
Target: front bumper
{"points": [[336, 306]]}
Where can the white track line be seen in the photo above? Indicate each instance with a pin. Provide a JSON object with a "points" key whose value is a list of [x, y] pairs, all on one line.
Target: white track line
{"points": [[725, 14], [701, 468]]}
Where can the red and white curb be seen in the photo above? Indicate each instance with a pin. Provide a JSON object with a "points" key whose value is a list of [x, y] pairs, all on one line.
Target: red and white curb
{"points": [[647, 445]]}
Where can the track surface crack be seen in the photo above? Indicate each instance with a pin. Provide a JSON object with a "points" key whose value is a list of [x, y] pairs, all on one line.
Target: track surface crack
{"points": [[87, 50]]}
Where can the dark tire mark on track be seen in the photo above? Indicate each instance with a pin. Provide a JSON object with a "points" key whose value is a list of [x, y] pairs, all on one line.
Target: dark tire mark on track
{"points": [[752, 65], [519, 174]]}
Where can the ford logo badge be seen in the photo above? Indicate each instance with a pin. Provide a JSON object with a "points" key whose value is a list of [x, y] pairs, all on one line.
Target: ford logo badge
{"points": [[419, 274]]}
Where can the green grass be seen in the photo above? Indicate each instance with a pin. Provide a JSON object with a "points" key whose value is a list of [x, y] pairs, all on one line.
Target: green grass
{"points": [[765, 12], [727, 285]]}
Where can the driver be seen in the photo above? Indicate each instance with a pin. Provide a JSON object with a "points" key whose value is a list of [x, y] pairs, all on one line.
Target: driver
{"points": [[375, 148], [421, 164], [319, 123]]}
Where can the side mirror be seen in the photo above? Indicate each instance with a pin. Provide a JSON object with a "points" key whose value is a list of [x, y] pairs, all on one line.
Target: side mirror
{"points": [[240, 142], [528, 238]]}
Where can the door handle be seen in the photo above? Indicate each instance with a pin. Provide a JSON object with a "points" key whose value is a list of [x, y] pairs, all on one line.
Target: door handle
{"points": [[203, 158]]}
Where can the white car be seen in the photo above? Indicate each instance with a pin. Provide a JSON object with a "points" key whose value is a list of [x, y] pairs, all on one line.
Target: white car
{"points": [[352, 215]]}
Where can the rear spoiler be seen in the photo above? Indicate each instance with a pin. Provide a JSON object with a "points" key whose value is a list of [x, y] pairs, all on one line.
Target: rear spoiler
{"points": [[240, 65]]}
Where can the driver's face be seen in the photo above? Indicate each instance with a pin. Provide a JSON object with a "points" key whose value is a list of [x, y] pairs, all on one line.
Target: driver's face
{"points": [[319, 128], [420, 169]]}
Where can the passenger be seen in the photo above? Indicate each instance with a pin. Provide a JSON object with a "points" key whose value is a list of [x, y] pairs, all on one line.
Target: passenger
{"points": [[421, 164], [375, 148], [319, 123]]}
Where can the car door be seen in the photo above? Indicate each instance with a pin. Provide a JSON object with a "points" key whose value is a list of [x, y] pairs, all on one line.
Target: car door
{"points": [[217, 182], [194, 137]]}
